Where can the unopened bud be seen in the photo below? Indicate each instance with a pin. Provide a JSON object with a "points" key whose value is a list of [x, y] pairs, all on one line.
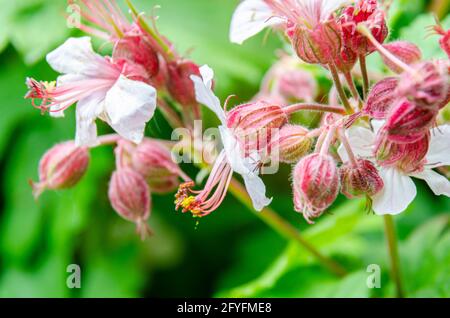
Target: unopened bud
{"points": [[316, 185], [129, 195], [359, 179], [179, 81], [154, 161], [61, 167], [292, 143], [407, 52], [321, 45], [381, 98]]}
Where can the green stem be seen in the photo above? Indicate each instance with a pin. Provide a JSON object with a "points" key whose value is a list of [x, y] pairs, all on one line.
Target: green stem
{"points": [[314, 107], [365, 74], [340, 89], [271, 218], [391, 238], [353, 90]]}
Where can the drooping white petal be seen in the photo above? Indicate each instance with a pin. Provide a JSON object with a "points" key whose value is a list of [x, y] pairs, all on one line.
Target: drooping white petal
{"points": [[75, 56], [439, 184], [256, 190], [439, 152], [204, 94], [361, 141], [88, 109], [233, 151], [129, 105], [398, 192], [250, 18]]}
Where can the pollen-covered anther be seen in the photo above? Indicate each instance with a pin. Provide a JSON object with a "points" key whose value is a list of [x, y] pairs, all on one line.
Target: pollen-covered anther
{"points": [[40, 90], [186, 201]]}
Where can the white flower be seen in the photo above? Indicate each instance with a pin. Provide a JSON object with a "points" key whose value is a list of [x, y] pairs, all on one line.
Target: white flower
{"points": [[101, 90], [245, 166], [253, 16], [399, 189]]}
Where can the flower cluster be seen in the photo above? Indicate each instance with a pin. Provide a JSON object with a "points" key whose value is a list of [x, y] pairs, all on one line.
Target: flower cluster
{"points": [[373, 136]]}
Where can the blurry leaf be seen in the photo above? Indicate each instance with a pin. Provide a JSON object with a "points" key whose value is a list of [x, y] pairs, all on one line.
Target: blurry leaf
{"points": [[402, 13]]}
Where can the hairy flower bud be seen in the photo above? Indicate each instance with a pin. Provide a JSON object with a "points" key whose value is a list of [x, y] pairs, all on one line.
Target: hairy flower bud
{"points": [[154, 162], [315, 185], [129, 195], [427, 86], [365, 12], [381, 98], [444, 41], [407, 52], [292, 143], [405, 156], [346, 60], [296, 85], [179, 82], [61, 167], [408, 123], [359, 179], [321, 45]]}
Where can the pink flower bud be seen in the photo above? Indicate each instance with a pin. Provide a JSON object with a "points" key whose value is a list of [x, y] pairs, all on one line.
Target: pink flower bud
{"points": [[321, 45], [427, 86], [154, 162], [296, 85], [316, 185], [359, 179], [61, 167], [292, 143], [179, 82], [408, 123], [405, 156], [407, 52], [129, 195], [253, 123], [136, 50], [381, 98], [368, 13], [346, 60], [444, 41]]}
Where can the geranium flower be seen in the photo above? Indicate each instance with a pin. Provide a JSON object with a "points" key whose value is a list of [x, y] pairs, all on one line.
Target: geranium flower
{"points": [[102, 87], [399, 189], [230, 160]]}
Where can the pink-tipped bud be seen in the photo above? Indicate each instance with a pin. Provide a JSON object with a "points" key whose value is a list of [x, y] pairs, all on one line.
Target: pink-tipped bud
{"points": [[292, 143], [365, 12], [407, 52], [129, 195], [381, 98], [136, 50], [359, 179], [346, 60], [61, 167], [408, 157], [253, 123], [295, 85], [408, 123], [179, 82], [154, 161], [321, 45], [427, 86], [316, 185]]}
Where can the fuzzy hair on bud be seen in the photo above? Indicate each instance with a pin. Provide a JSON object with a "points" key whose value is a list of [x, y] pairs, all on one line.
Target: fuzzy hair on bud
{"points": [[179, 81], [315, 185], [381, 98], [61, 167], [129, 195], [292, 143], [321, 45], [360, 179], [407, 52]]}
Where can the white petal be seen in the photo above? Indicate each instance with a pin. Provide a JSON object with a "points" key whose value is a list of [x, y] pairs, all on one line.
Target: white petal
{"points": [[233, 151], [439, 184], [75, 56], [250, 18], [398, 192], [361, 141], [129, 105], [88, 109], [329, 6], [257, 191], [204, 93], [439, 151]]}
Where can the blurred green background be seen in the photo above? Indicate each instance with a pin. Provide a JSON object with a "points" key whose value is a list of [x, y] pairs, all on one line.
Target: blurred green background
{"points": [[230, 253]]}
